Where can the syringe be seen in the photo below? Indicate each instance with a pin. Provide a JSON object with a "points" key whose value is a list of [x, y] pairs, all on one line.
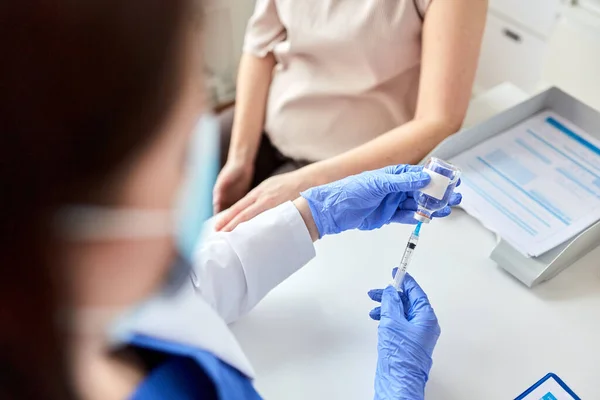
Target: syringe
{"points": [[406, 257]]}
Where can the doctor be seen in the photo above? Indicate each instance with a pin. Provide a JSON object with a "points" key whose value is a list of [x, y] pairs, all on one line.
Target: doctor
{"points": [[106, 299]]}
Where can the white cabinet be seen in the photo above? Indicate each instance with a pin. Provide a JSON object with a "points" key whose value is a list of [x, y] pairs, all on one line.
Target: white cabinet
{"points": [[573, 59], [511, 54], [515, 42], [538, 16]]}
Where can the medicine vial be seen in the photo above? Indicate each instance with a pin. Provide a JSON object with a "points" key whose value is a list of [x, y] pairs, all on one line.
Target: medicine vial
{"points": [[435, 196]]}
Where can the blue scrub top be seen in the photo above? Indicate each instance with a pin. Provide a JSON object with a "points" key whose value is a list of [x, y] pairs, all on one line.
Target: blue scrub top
{"points": [[189, 373]]}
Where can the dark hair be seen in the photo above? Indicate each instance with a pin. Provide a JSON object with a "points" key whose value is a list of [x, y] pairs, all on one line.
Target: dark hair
{"points": [[83, 85]]}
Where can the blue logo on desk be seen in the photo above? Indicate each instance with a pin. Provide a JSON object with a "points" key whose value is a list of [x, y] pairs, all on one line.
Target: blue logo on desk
{"points": [[548, 396]]}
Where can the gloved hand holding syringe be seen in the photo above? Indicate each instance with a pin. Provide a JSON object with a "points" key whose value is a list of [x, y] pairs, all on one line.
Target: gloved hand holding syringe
{"points": [[434, 197]]}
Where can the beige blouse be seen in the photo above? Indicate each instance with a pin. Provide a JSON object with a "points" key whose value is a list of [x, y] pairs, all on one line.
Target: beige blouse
{"points": [[347, 70]]}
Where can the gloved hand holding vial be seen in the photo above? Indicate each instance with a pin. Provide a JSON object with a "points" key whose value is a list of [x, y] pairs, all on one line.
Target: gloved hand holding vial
{"points": [[435, 196]]}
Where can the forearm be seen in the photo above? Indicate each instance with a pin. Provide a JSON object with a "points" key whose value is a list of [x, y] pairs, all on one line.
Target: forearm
{"points": [[451, 39], [406, 144], [254, 80], [304, 210]]}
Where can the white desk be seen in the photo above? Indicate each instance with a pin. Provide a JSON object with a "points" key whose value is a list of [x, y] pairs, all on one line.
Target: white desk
{"points": [[312, 338]]}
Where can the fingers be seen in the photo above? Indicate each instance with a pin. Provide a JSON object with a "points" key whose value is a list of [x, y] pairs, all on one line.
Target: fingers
{"points": [[222, 181], [219, 202], [391, 304], [404, 217], [405, 182], [407, 217], [217, 206], [410, 204], [235, 210], [418, 300], [224, 219], [402, 168], [252, 211], [375, 313], [455, 199], [412, 303], [375, 294], [412, 289], [444, 212]]}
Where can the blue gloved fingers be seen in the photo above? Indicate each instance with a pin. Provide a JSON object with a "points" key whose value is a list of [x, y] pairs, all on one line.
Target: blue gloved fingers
{"points": [[444, 212], [458, 183], [412, 288], [405, 182], [375, 294], [455, 199], [401, 168], [375, 313], [419, 310], [384, 212], [414, 302], [391, 304], [404, 217], [410, 203]]}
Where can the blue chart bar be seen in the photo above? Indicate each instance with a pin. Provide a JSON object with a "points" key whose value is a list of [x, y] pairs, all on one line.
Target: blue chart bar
{"points": [[536, 153], [517, 202], [547, 204], [562, 153], [570, 177], [583, 160], [573, 135], [500, 208], [531, 195]]}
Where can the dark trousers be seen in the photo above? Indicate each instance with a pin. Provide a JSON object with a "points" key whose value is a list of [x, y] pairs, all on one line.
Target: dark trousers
{"points": [[269, 161]]}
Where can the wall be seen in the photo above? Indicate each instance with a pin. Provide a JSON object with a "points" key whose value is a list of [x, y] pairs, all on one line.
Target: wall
{"points": [[573, 59], [225, 24]]}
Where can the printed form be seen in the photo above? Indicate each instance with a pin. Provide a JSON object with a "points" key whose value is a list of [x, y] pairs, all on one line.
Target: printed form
{"points": [[536, 185]]}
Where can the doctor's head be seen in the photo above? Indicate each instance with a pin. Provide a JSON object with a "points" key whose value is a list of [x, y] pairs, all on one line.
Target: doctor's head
{"points": [[99, 100]]}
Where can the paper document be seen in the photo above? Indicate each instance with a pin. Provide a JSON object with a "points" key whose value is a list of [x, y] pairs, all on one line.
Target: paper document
{"points": [[536, 185]]}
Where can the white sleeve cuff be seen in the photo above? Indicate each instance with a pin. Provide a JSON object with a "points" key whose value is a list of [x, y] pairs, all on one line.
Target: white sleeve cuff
{"points": [[271, 247]]}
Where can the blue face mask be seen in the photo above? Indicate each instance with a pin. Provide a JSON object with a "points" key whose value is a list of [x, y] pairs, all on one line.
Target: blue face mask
{"points": [[195, 203], [185, 222]]}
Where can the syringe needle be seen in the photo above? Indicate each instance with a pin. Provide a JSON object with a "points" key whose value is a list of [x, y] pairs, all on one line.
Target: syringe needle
{"points": [[406, 257]]}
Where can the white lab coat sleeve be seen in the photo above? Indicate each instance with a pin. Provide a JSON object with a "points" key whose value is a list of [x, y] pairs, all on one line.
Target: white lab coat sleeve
{"points": [[235, 270]]}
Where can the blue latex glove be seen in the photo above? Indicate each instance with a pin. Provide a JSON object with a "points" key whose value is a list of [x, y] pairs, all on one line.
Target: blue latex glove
{"points": [[408, 332], [370, 200]]}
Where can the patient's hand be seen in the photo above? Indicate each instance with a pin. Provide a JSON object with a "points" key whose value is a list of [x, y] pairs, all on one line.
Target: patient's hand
{"points": [[270, 193], [232, 184]]}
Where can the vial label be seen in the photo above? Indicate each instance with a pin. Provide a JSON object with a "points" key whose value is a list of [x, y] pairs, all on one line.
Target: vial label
{"points": [[438, 185]]}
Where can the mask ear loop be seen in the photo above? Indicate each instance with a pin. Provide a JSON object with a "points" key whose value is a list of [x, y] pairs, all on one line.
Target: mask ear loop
{"points": [[89, 223]]}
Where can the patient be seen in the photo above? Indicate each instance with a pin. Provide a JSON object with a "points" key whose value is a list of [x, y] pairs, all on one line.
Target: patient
{"points": [[330, 88]]}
